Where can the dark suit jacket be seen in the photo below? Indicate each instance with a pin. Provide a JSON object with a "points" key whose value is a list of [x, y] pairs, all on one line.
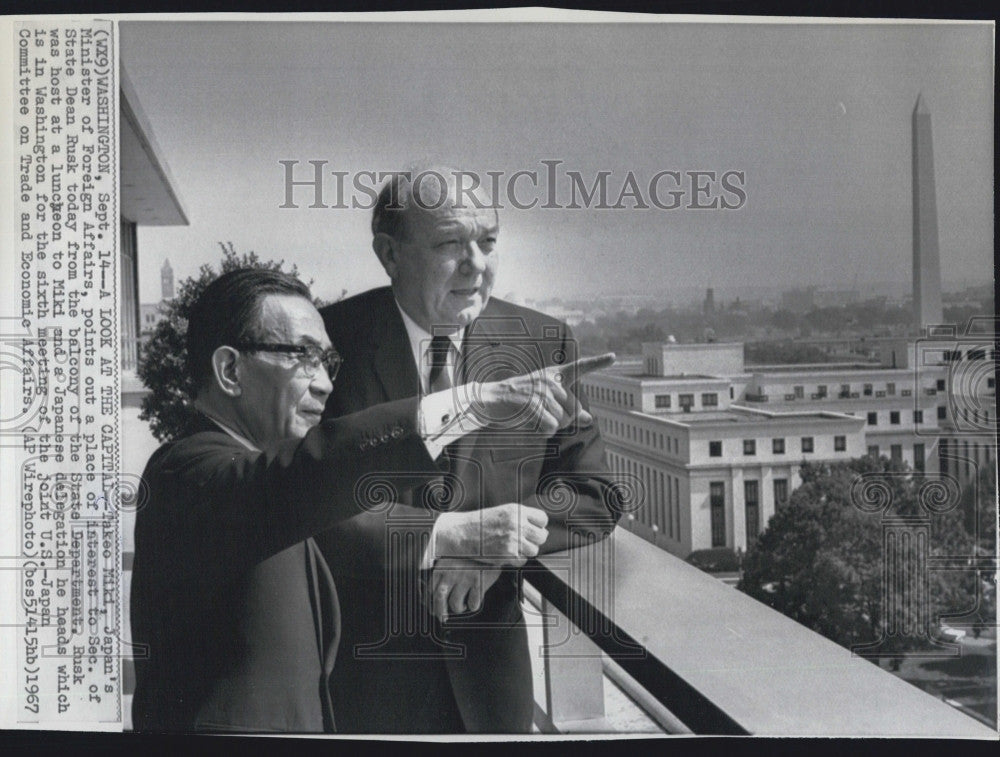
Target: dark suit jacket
{"points": [[400, 675], [230, 595]]}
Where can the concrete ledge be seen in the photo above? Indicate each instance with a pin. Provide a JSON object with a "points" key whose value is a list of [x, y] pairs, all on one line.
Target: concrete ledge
{"points": [[724, 663]]}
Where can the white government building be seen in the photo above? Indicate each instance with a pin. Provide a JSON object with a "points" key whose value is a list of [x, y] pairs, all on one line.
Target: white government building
{"points": [[718, 446]]}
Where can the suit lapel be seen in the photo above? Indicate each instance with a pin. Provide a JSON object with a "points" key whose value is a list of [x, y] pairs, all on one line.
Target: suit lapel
{"points": [[392, 364], [393, 361], [470, 455]]}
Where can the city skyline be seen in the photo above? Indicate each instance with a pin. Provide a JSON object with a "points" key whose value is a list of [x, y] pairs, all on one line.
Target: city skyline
{"points": [[817, 116], [693, 295]]}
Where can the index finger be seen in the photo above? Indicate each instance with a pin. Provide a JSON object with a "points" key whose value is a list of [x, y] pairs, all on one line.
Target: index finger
{"points": [[567, 375], [440, 599]]}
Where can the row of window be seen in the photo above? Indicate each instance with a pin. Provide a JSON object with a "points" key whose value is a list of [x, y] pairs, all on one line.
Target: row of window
{"points": [[651, 439], [974, 354], [806, 444], [661, 506], [954, 456], [974, 416], [918, 417], [843, 392], [896, 454], [752, 508], [849, 391], [612, 396], [968, 415], [973, 453], [685, 401]]}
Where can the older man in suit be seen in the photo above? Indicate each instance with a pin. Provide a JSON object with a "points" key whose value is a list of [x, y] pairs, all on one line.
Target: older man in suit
{"points": [[231, 599], [466, 669]]}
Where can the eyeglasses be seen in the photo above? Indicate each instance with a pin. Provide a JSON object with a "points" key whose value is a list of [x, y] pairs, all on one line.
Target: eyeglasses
{"points": [[311, 357]]}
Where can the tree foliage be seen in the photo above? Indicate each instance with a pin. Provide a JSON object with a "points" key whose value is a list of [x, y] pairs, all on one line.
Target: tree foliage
{"points": [[979, 512], [163, 355], [979, 508], [820, 560]]}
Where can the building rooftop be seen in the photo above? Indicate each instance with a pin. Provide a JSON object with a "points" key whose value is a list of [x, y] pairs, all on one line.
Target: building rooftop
{"points": [[691, 345], [742, 415], [678, 377], [638, 377], [149, 192], [823, 368]]}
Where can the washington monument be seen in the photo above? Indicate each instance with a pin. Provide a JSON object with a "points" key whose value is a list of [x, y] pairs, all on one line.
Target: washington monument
{"points": [[926, 257]]}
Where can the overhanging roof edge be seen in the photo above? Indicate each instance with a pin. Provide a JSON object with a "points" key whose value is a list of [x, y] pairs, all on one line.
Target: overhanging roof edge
{"points": [[131, 110]]}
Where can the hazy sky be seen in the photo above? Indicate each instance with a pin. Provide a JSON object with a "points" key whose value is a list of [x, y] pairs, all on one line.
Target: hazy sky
{"points": [[818, 117]]}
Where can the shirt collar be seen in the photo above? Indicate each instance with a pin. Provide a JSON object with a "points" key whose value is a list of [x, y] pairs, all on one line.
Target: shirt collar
{"points": [[241, 439], [420, 339]]}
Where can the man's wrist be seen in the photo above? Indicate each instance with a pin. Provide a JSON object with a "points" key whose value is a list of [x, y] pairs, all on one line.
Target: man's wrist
{"points": [[443, 543], [445, 416]]}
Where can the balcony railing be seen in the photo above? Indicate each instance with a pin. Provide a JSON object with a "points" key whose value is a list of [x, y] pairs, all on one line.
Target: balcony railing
{"points": [[705, 658], [817, 396]]}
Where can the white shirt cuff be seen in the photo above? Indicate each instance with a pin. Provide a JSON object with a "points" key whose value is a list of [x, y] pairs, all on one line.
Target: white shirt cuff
{"points": [[444, 417]]}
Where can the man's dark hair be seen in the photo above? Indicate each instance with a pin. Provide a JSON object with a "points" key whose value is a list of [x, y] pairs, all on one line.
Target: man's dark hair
{"points": [[228, 312]]}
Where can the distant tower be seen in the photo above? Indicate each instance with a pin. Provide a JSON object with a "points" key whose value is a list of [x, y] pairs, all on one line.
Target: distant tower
{"points": [[709, 306], [167, 281], [926, 257]]}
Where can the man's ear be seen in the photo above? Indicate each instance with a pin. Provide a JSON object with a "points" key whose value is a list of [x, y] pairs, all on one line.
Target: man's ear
{"points": [[226, 371], [386, 248]]}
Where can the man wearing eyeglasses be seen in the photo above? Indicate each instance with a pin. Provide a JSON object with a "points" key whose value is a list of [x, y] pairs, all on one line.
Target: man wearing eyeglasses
{"points": [[235, 616]]}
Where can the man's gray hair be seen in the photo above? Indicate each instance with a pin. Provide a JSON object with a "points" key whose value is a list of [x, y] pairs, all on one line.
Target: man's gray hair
{"points": [[397, 195]]}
